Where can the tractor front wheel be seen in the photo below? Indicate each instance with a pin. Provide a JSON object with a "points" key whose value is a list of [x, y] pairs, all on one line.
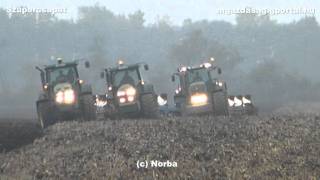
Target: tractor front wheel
{"points": [[220, 103], [150, 106]]}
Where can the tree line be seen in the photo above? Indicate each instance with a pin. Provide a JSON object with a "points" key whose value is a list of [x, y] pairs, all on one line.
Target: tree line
{"points": [[277, 63]]}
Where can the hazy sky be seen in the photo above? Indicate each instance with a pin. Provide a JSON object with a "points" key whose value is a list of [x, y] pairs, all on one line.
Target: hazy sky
{"points": [[177, 10]]}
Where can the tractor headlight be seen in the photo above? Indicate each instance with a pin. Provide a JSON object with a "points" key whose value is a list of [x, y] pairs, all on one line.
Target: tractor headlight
{"points": [[122, 100], [59, 97], [219, 83], [199, 99], [121, 93], [69, 96], [131, 91], [183, 69], [130, 98], [126, 94], [65, 97], [206, 65]]}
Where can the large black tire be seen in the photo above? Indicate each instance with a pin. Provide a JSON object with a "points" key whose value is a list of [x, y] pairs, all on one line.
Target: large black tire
{"points": [[45, 114], [88, 108], [220, 103], [150, 106]]}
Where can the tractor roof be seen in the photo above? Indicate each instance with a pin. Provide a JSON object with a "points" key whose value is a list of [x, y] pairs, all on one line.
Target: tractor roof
{"points": [[191, 68], [124, 67], [61, 64]]}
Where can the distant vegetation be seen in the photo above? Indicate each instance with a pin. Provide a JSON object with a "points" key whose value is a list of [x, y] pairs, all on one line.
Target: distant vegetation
{"points": [[277, 63]]}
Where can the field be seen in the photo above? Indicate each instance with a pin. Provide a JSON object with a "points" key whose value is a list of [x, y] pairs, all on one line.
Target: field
{"points": [[284, 144]]}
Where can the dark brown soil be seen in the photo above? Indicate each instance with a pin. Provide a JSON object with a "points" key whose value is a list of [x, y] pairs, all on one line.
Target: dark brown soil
{"points": [[279, 146], [15, 133]]}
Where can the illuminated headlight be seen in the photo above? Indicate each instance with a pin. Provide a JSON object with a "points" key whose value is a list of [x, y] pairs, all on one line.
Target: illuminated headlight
{"points": [[183, 69], [206, 65], [130, 91], [59, 97], [69, 96], [66, 97], [199, 99], [121, 93], [122, 100], [177, 91], [130, 98], [219, 83], [126, 94]]}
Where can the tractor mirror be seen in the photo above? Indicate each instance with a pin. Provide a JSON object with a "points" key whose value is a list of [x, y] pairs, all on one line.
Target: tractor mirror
{"points": [[87, 64], [42, 78], [107, 75], [219, 71], [173, 78], [41, 75], [146, 67], [102, 75]]}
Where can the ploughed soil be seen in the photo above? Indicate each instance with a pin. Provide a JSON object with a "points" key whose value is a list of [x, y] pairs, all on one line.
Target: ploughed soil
{"points": [[15, 133], [282, 145]]}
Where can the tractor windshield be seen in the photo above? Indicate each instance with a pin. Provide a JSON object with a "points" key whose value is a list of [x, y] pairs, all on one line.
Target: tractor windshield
{"points": [[197, 75], [61, 75], [127, 76]]}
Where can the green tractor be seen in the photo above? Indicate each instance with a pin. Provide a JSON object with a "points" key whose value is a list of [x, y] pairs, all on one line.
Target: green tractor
{"points": [[128, 95], [64, 95], [199, 92]]}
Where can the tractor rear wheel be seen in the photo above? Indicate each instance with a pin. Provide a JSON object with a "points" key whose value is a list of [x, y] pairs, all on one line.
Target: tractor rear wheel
{"points": [[45, 114], [88, 107], [220, 103], [150, 106]]}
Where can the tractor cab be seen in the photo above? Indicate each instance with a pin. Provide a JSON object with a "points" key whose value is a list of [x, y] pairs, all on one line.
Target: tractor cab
{"points": [[60, 78], [127, 92], [64, 95], [125, 80], [62, 74], [198, 89], [190, 79]]}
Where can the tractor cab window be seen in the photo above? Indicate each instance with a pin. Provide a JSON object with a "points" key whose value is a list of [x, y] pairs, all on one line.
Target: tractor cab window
{"points": [[61, 75], [197, 75], [127, 76]]}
